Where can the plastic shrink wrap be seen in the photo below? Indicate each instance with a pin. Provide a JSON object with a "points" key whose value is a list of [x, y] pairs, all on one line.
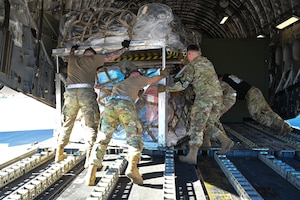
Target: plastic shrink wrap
{"points": [[107, 26], [154, 23]]}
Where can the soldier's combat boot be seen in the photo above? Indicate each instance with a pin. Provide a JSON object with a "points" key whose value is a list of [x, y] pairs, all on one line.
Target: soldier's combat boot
{"points": [[206, 142], [91, 175], [191, 158], [93, 162], [132, 171], [226, 143], [95, 156], [60, 154], [285, 129]]}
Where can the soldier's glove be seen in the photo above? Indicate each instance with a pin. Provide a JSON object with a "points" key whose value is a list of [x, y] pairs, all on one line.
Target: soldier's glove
{"points": [[74, 47], [164, 72], [161, 88], [141, 92], [126, 43]]}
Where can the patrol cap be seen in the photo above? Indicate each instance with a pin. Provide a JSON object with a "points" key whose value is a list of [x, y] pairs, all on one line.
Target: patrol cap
{"points": [[90, 49]]}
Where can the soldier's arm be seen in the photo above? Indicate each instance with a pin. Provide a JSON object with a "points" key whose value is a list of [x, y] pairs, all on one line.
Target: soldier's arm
{"points": [[155, 79], [114, 55], [184, 82]]}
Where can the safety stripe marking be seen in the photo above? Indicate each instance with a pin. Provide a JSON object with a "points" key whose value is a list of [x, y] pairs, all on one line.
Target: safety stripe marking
{"points": [[146, 57]]}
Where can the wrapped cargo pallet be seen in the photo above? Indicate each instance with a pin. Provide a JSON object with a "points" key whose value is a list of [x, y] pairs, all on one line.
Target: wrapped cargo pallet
{"points": [[95, 27], [154, 23], [103, 26]]}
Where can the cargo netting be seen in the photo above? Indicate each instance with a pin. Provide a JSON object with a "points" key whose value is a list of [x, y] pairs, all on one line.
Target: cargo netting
{"points": [[103, 26]]}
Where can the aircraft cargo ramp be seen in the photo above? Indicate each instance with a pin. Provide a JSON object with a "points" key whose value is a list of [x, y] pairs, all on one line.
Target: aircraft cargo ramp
{"points": [[260, 166]]}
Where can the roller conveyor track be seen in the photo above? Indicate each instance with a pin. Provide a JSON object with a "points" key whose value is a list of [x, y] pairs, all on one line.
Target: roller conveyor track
{"points": [[257, 137], [268, 162], [30, 177], [251, 176], [158, 169], [260, 166], [216, 180], [27, 163], [215, 177]]}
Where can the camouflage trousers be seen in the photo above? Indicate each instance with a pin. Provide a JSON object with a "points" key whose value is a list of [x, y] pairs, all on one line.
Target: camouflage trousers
{"points": [[261, 111], [118, 111], [85, 100], [205, 115]]}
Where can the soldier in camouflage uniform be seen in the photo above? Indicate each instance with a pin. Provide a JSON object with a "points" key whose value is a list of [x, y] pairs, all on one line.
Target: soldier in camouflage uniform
{"points": [[229, 99], [120, 109], [257, 106], [200, 73], [80, 95]]}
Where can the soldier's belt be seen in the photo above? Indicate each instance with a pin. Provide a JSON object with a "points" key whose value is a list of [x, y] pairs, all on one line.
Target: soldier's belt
{"points": [[79, 85], [120, 97]]}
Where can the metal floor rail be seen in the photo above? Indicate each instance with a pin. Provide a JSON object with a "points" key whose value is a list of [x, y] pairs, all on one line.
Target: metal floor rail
{"points": [[35, 185], [238, 181], [260, 166]]}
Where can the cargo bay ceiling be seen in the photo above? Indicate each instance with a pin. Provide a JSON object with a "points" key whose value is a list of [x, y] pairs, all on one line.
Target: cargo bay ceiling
{"points": [[247, 18]]}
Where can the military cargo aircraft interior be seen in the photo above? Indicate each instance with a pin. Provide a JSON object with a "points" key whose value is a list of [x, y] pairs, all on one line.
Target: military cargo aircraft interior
{"points": [[254, 44]]}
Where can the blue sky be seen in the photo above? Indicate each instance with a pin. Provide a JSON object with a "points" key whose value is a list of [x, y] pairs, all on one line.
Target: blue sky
{"points": [[295, 123]]}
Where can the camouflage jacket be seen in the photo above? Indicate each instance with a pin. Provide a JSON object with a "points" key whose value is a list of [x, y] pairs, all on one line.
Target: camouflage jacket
{"points": [[200, 73]]}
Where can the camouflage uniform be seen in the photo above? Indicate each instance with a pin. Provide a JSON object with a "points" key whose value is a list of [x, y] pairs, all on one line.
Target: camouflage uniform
{"points": [[229, 97], [208, 98], [120, 109], [80, 95], [257, 106], [84, 99], [261, 111]]}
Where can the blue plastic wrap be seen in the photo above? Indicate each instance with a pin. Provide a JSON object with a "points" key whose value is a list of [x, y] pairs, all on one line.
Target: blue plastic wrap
{"points": [[105, 77]]}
